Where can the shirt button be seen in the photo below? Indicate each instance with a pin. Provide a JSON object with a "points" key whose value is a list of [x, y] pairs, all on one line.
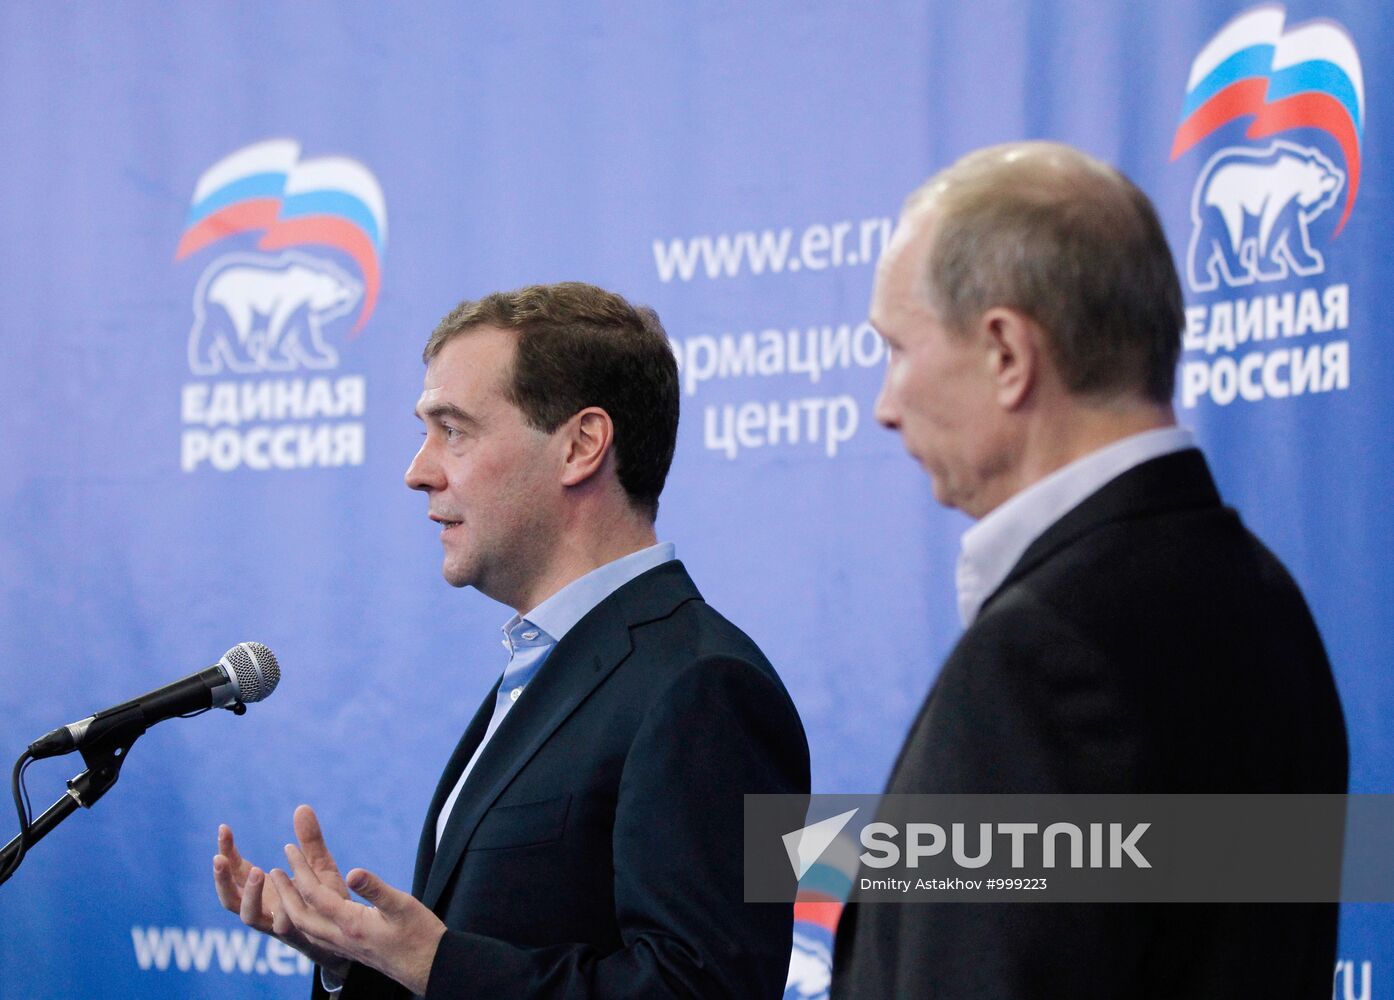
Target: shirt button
{"points": [[530, 634], [513, 695]]}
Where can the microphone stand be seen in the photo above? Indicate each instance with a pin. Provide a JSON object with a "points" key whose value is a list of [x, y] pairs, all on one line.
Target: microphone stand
{"points": [[105, 739], [103, 757]]}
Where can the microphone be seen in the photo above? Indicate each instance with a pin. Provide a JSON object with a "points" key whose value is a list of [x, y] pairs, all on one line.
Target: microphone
{"points": [[247, 672]]}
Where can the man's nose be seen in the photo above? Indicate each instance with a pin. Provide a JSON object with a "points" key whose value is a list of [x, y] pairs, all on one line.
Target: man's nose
{"points": [[424, 472], [887, 412]]}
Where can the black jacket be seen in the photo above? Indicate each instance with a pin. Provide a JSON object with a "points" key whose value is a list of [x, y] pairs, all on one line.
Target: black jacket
{"points": [[1146, 642], [596, 848]]}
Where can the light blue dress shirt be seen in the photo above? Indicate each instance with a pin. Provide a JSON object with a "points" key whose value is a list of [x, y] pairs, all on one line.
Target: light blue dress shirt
{"points": [[531, 638]]}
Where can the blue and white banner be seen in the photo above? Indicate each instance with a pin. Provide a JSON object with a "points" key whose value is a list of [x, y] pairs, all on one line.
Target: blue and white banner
{"points": [[230, 228]]}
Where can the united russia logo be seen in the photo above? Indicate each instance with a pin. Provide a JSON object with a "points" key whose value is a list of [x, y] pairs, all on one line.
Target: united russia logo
{"points": [[300, 244], [1272, 123]]}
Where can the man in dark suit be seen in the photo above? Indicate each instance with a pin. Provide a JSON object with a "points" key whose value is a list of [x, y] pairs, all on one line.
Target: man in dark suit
{"points": [[1124, 632], [586, 836]]}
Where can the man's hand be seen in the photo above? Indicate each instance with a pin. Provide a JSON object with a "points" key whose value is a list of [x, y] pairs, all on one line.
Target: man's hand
{"points": [[396, 935], [241, 889]]}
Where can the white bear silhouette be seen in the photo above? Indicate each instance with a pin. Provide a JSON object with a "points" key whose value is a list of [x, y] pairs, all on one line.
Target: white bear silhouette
{"points": [[255, 313], [1251, 210]]}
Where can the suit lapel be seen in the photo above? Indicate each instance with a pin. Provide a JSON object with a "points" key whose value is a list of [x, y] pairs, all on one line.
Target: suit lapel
{"points": [[464, 750], [586, 655], [1174, 482]]}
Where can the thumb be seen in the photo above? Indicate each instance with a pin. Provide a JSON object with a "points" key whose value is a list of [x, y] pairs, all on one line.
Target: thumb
{"points": [[374, 890]]}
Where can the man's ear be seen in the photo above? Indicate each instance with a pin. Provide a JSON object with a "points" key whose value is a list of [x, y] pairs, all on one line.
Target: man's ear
{"points": [[1014, 346], [590, 434]]}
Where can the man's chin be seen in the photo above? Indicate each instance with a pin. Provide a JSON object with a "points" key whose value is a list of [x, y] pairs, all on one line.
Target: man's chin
{"points": [[456, 576], [944, 496]]}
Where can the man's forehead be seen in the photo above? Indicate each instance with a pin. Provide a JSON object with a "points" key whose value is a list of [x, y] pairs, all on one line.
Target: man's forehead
{"points": [[901, 274], [431, 397], [914, 229], [461, 373], [477, 357], [433, 383]]}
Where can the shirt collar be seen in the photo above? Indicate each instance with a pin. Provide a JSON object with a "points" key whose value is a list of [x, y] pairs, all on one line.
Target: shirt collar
{"points": [[990, 548], [556, 616]]}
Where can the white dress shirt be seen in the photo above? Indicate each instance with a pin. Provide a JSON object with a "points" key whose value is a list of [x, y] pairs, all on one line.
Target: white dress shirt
{"points": [[992, 547]]}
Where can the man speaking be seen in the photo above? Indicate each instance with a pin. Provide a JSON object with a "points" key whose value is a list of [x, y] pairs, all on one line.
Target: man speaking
{"points": [[1124, 632], [585, 838]]}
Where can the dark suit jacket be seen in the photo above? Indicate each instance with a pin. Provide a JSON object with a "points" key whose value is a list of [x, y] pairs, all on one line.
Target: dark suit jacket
{"points": [[1146, 642], [596, 848]]}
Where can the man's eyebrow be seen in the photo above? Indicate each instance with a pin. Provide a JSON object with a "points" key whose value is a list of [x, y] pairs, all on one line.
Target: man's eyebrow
{"points": [[444, 411]]}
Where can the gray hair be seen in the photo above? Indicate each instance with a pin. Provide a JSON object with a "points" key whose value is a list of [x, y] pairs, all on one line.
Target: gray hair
{"points": [[1070, 242]]}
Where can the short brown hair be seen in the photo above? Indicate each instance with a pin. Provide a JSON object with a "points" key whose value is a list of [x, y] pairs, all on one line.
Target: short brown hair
{"points": [[1069, 241], [580, 346]]}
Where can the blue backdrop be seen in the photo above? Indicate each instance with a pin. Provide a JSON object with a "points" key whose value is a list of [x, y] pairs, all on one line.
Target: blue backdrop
{"points": [[231, 227]]}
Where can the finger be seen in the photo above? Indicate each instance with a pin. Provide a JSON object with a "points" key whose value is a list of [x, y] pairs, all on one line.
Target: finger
{"points": [[228, 893], [251, 910], [281, 924], [292, 913], [389, 900], [326, 902], [308, 832], [306, 878], [228, 849], [312, 845]]}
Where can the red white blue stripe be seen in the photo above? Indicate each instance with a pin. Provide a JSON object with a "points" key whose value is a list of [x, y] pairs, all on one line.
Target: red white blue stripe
{"points": [[1307, 76], [267, 188]]}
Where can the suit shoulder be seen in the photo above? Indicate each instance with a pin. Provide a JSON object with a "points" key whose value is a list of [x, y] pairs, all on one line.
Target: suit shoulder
{"points": [[695, 630], [1164, 566], [1168, 623], [695, 646]]}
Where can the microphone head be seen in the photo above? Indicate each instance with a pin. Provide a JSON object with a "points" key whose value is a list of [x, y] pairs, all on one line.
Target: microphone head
{"points": [[253, 670]]}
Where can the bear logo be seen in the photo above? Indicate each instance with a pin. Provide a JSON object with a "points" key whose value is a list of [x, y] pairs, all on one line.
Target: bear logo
{"points": [[254, 313], [1251, 214]]}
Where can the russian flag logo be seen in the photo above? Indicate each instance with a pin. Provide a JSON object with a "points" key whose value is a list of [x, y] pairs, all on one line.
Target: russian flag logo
{"points": [[265, 187], [1307, 76]]}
